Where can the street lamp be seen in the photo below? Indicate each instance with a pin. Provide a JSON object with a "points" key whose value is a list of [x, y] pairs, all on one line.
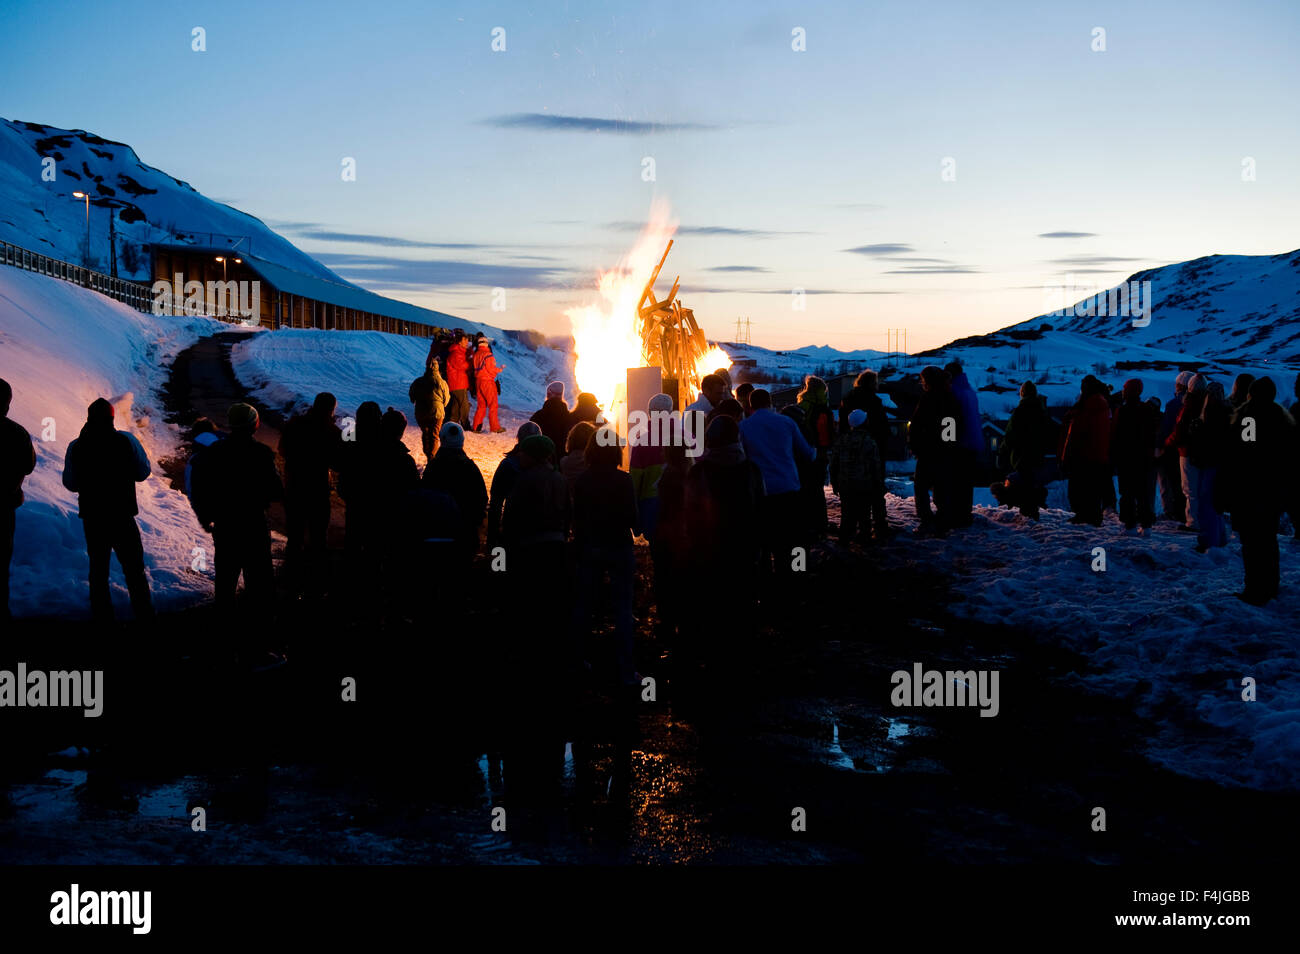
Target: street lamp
{"points": [[83, 195]]}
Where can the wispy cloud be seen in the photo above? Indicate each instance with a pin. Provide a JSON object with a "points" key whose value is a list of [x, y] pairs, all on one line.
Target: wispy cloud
{"points": [[934, 270], [717, 230], [1066, 235], [693, 290], [884, 248], [372, 271], [1092, 260], [552, 122], [737, 268], [384, 241]]}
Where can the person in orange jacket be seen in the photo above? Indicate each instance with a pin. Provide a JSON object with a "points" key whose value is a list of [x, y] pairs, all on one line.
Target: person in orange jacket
{"points": [[485, 386]]}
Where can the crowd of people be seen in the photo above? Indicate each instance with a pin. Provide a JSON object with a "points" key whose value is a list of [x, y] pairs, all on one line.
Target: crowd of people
{"points": [[565, 504]]}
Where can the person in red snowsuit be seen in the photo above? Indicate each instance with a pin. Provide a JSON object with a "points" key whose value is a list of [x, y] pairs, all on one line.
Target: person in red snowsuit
{"points": [[458, 382], [485, 386]]}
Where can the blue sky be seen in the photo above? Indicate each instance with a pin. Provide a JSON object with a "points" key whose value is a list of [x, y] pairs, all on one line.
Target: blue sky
{"points": [[818, 169]]}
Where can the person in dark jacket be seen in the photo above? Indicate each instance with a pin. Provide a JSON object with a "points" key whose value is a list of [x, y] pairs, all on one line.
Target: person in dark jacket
{"points": [[1085, 452], [356, 487], [17, 460], [670, 542], [1133, 452], [453, 473], [1209, 452], [234, 482], [1181, 440], [1240, 390], [102, 467], [311, 445], [429, 394], [858, 479], [1261, 459], [503, 481], [1027, 440], [554, 417], [587, 409], [864, 395], [932, 435], [1173, 504], [605, 521], [818, 425], [742, 395], [970, 443]]}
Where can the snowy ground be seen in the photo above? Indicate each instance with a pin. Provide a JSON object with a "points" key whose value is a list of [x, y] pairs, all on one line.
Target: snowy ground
{"points": [[62, 347], [1160, 627], [286, 369]]}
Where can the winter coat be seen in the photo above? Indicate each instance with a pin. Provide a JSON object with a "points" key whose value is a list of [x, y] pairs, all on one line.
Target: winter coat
{"points": [[485, 368], [457, 369], [926, 429], [775, 443], [970, 433], [1028, 437], [430, 394], [311, 447], [17, 460], [452, 472], [206, 439], [584, 412], [724, 496], [1258, 476], [818, 426], [604, 509], [856, 466], [572, 466], [554, 420], [860, 399], [503, 481], [537, 510], [1209, 447], [1133, 433], [102, 467], [233, 482], [1085, 438], [1187, 427], [1172, 410]]}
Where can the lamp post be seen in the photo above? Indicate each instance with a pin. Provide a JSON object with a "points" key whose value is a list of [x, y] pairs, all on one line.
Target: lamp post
{"points": [[86, 196]]}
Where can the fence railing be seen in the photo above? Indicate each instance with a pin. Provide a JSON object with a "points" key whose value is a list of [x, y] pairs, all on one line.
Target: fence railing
{"points": [[136, 294]]}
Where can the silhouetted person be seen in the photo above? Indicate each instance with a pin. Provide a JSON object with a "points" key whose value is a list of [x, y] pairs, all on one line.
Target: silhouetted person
{"points": [[1181, 441], [646, 457], [775, 444], [17, 460], [858, 479], [742, 395], [453, 473], [1209, 449], [429, 394], [102, 467], [486, 369], [713, 391], [574, 462], [1261, 462], [932, 435], [234, 482], [970, 443], [818, 426], [605, 520], [458, 372], [670, 541], [1133, 451], [356, 487], [1026, 441], [1168, 469], [587, 409], [1085, 452], [311, 445], [554, 416], [1240, 390], [503, 481]]}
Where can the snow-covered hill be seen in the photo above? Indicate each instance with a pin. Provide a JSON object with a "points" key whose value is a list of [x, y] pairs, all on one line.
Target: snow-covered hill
{"points": [[41, 214]]}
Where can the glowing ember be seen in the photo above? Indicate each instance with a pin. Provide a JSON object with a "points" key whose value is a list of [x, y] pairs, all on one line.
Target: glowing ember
{"points": [[606, 334]]}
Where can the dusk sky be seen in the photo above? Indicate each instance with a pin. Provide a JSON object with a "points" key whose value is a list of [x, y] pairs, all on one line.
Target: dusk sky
{"points": [[817, 169]]}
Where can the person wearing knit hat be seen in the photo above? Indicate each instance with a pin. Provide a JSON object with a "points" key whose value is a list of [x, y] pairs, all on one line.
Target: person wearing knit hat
{"points": [[243, 417], [503, 482], [102, 467], [538, 448], [857, 478], [452, 472], [554, 416]]}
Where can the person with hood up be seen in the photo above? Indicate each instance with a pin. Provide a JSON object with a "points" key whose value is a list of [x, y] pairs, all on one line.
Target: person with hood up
{"points": [[587, 409], [17, 460], [970, 443], [1085, 452], [486, 389], [1133, 450], [1168, 470], [234, 482], [503, 481], [1261, 461], [102, 467], [554, 416], [858, 479], [430, 394], [453, 473]]}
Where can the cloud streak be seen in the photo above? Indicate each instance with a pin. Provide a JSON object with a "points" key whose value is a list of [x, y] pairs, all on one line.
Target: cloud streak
{"points": [[1066, 235], [552, 122], [371, 271]]}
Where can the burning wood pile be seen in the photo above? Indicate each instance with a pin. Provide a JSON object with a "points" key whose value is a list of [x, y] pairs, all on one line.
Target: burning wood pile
{"points": [[670, 338]]}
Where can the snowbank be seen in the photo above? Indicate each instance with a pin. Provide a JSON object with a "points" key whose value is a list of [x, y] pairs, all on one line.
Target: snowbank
{"points": [[286, 369], [1159, 627], [62, 346]]}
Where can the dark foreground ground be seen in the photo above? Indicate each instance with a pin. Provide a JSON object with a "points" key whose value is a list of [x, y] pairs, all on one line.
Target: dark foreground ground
{"points": [[797, 716]]}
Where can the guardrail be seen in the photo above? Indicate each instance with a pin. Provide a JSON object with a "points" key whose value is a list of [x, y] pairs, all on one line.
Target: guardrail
{"points": [[136, 294]]}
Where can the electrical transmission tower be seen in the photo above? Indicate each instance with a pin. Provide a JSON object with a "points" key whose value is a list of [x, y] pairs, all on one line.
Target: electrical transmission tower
{"points": [[744, 333]]}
